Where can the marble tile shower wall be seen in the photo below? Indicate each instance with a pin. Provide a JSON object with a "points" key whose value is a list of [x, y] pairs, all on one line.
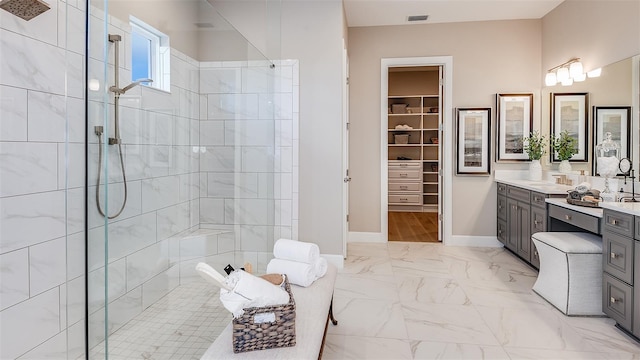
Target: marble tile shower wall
{"points": [[249, 171], [41, 203]]}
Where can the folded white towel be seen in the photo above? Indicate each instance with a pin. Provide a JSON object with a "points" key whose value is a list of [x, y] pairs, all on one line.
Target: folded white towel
{"points": [[320, 267], [298, 273], [212, 276], [296, 251], [250, 291]]}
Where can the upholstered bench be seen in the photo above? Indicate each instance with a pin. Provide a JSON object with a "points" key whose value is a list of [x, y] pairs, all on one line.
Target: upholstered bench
{"points": [[313, 312], [570, 276]]}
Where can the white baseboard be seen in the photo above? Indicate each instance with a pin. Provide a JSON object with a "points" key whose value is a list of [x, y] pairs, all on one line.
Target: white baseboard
{"points": [[336, 260], [475, 241], [369, 237]]}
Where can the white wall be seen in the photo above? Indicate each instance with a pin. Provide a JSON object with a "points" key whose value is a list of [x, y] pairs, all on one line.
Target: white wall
{"points": [[488, 58]]}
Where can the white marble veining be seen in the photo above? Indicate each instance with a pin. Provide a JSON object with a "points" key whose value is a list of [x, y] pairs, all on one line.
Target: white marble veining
{"points": [[13, 112], [27, 168], [147, 263], [47, 265], [14, 277], [480, 307]]}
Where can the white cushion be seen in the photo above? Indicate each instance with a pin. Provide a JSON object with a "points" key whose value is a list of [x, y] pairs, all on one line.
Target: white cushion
{"points": [[571, 242]]}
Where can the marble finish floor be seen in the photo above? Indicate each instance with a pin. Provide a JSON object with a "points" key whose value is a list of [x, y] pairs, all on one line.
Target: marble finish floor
{"points": [[428, 301]]}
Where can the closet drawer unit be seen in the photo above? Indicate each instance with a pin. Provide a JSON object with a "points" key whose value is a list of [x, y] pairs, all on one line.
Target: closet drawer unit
{"points": [[618, 223], [405, 174], [617, 256], [403, 187], [587, 222], [537, 199], [404, 166], [518, 194], [617, 300], [502, 207], [405, 199], [502, 189]]}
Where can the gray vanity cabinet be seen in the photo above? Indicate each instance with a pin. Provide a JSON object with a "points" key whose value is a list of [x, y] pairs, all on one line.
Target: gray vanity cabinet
{"points": [[519, 228], [620, 252]]}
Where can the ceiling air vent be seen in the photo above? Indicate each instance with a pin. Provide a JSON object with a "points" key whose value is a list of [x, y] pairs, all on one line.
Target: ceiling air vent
{"points": [[417, 18]]}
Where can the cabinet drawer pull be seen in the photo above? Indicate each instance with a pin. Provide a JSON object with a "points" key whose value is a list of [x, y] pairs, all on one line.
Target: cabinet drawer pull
{"points": [[615, 222], [536, 222], [535, 254], [615, 256], [404, 199], [499, 207], [403, 187], [404, 175], [403, 165], [567, 217], [535, 198], [614, 300]]}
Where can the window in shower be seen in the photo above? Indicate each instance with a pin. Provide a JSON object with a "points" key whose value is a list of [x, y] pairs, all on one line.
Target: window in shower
{"points": [[149, 55]]}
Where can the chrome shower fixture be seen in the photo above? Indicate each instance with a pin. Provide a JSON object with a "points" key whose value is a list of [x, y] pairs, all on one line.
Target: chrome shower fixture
{"points": [[117, 91], [25, 9]]}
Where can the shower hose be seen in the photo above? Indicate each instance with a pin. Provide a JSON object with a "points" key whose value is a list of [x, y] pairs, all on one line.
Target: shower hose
{"points": [[124, 177]]}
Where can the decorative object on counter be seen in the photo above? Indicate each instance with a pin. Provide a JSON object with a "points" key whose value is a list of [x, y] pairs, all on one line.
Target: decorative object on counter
{"points": [[607, 162], [564, 147], [569, 113], [473, 134], [514, 121], [583, 195], [617, 121], [535, 146], [626, 168]]}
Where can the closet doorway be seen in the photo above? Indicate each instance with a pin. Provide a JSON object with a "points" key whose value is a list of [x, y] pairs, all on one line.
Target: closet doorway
{"points": [[414, 143]]}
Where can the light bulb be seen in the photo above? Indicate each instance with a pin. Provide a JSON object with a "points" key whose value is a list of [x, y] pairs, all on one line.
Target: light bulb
{"points": [[563, 74], [594, 73], [579, 78], [567, 82], [575, 69], [550, 79]]}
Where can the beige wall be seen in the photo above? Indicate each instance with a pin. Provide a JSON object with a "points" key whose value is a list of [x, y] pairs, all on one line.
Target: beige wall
{"points": [[488, 58], [599, 32]]}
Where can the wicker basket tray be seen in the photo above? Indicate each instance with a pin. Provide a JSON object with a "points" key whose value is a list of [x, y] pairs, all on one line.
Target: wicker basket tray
{"points": [[266, 327], [583, 203]]}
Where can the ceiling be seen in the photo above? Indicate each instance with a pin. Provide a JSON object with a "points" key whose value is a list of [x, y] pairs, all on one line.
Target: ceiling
{"points": [[395, 12]]}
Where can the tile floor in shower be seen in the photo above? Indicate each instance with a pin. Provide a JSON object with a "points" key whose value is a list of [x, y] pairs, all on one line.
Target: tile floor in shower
{"points": [[182, 325]]}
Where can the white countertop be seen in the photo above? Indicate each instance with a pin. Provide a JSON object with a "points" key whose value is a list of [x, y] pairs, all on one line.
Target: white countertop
{"points": [[539, 186], [623, 207], [596, 212]]}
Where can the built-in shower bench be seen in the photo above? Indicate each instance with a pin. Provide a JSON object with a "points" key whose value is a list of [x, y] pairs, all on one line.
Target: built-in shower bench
{"points": [[313, 311]]}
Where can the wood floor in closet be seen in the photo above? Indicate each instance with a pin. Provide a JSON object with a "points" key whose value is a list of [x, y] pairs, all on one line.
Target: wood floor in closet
{"points": [[413, 226]]}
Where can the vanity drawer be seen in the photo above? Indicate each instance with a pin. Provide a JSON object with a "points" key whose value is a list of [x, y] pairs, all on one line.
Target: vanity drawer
{"points": [[404, 174], [538, 220], [584, 221], [617, 300], [405, 199], [404, 187], [617, 256], [518, 194], [637, 229], [502, 207], [618, 222], [502, 231], [502, 189], [537, 199], [405, 165]]}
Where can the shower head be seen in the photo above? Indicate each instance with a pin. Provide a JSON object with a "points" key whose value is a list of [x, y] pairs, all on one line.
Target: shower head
{"points": [[134, 84]]}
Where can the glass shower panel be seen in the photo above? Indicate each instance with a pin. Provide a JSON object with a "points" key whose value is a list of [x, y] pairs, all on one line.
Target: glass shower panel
{"points": [[175, 177]]}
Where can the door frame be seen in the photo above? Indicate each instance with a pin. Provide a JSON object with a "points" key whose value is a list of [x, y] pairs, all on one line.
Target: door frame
{"points": [[446, 162], [345, 148]]}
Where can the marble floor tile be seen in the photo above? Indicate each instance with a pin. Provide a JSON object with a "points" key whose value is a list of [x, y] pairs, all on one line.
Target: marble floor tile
{"points": [[500, 294], [447, 323], [366, 265], [544, 354], [368, 249], [382, 287], [601, 333], [420, 267], [368, 317], [441, 350], [533, 328], [405, 250], [360, 347], [430, 290]]}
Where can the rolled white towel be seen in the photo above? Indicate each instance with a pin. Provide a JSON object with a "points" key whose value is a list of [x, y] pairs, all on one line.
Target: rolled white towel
{"points": [[296, 251], [320, 267], [298, 273], [250, 291]]}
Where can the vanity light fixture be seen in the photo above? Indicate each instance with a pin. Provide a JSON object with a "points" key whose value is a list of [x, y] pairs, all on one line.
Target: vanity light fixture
{"points": [[566, 73]]}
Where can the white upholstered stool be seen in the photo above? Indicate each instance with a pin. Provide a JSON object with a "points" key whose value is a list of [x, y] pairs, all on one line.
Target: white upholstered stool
{"points": [[570, 276]]}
